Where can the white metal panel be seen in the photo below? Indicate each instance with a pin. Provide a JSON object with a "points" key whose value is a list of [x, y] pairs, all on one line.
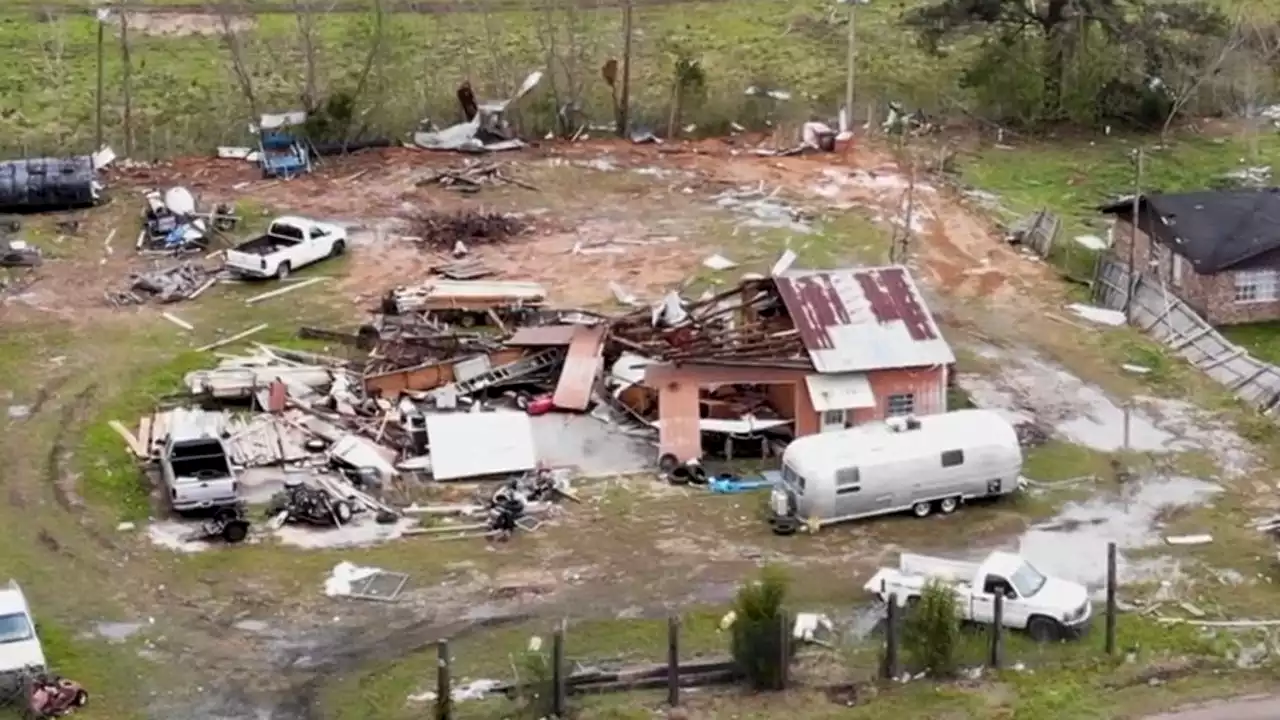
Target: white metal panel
{"points": [[482, 289], [841, 391], [476, 444], [875, 443]]}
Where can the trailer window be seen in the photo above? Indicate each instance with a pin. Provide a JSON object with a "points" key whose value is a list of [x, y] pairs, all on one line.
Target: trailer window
{"points": [[848, 480], [792, 478], [952, 458], [900, 404]]}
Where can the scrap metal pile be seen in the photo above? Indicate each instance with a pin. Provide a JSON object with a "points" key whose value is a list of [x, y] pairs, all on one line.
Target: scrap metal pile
{"points": [[185, 281]]}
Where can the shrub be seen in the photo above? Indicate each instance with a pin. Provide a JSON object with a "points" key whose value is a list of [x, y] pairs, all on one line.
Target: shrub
{"points": [[535, 679], [760, 631], [931, 632]]}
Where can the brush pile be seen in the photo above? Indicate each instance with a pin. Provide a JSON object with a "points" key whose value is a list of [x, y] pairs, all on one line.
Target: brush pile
{"points": [[443, 231]]}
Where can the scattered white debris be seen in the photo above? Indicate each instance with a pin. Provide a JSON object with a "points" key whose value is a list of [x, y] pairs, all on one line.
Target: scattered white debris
{"points": [[1189, 539], [784, 263], [19, 412], [1102, 316], [623, 296], [1136, 369], [338, 584], [718, 262], [474, 690], [125, 526], [1093, 242]]}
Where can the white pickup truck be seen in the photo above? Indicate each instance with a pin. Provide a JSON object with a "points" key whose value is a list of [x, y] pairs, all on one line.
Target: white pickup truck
{"points": [[289, 244], [20, 649], [1047, 608]]}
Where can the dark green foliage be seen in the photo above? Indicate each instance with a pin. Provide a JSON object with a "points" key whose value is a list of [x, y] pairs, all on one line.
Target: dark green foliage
{"points": [[760, 630], [931, 631]]}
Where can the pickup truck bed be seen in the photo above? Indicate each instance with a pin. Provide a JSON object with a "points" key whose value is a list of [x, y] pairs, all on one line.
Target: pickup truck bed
{"points": [[265, 245]]}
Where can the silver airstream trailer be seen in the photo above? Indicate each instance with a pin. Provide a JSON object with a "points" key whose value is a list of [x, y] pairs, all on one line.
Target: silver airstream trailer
{"points": [[899, 465]]}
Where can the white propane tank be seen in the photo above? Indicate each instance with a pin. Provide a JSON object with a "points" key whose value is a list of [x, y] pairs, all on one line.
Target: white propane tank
{"points": [[180, 201]]}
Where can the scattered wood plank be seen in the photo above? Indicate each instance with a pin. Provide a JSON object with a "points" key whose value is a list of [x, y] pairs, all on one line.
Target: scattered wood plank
{"points": [[178, 321], [280, 291], [130, 440], [200, 290], [228, 340]]}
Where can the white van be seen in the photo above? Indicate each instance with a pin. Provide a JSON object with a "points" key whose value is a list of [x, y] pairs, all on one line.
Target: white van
{"points": [[901, 464]]}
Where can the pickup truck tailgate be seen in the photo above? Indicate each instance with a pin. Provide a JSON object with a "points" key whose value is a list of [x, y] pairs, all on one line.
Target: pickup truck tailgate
{"points": [[244, 260]]}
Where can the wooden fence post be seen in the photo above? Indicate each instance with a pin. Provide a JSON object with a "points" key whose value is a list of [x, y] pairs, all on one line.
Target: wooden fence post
{"points": [[673, 661], [1111, 598], [784, 647], [997, 627], [444, 689], [891, 639], [557, 674]]}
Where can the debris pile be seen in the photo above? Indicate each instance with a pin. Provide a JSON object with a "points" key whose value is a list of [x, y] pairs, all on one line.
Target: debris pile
{"points": [[180, 282], [445, 231], [170, 222], [470, 178]]}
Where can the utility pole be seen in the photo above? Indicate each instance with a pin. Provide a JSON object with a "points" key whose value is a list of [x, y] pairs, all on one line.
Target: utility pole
{"points": [[848, 78], [624, 126], [128, 90], [1132, 280], [102, 15]]}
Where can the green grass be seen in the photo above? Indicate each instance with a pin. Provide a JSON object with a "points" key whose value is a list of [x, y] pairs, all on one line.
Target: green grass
{"points": [[1261, 340], [185, 97]]}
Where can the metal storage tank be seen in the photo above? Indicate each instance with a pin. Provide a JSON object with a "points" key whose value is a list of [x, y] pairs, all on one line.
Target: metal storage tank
{"points": [[36, 184]]}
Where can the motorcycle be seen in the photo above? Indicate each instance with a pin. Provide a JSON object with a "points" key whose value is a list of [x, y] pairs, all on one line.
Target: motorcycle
{"points": [[51, 696]]}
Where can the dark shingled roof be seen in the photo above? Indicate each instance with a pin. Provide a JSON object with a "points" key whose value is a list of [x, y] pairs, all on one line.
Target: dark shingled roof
{"points": [[1215, 230]]}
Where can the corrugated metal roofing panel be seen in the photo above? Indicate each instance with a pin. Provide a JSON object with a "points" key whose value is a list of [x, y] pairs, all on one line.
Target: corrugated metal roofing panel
{"points": [[542, 336], [860, 319], [476, 444], [581, 367], [842, 391], [483, 289]]}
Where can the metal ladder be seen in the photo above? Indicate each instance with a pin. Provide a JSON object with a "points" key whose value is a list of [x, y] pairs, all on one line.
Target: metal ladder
{"points": [[502, 373]]}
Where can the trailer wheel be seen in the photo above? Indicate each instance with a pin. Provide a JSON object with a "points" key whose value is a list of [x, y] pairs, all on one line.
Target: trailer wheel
{"points": [[343, 511], [1044, 629], [785, 527], [948, 505], [922, 509]]}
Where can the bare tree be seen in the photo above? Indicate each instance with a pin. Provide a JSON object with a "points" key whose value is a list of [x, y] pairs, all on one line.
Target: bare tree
{"points": [[1191, 84], [304, 13], [371, 59], [227, 16], [1261, 48], [127, 80]]}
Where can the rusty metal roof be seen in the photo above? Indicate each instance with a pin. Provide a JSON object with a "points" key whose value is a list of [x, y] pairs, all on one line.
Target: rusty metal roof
{"points": [[859, 319]]}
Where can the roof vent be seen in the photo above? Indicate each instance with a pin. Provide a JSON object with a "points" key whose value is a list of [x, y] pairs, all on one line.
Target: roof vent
{"points": [[903, 423]]}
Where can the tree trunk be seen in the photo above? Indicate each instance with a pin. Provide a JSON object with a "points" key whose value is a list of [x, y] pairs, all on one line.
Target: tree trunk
{"points": [[1055, 65]]}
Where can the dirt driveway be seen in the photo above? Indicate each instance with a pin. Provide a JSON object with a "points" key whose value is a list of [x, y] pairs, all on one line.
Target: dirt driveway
{"points": [[1251, 708]]}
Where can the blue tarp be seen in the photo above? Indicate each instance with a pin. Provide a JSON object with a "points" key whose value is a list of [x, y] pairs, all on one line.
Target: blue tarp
{"points": [[729, 484]]}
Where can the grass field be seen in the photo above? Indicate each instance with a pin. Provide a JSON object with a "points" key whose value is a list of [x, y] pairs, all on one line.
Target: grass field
{"points": [[186, 98]]}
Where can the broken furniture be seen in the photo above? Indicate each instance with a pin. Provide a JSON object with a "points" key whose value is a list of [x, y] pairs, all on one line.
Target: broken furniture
{"points": [[171, 223], [283, 151], [17, 253]]}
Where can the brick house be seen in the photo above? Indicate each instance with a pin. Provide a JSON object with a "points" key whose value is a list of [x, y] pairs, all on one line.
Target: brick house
{"points": [[868, 349], [1218, 251]]}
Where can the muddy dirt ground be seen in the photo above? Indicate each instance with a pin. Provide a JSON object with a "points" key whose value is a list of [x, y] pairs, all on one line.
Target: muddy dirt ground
{"points": [[249, 629]]}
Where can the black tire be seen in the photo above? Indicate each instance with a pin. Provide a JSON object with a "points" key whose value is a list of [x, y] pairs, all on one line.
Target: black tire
{"points": [[668, 463], [785, 527], [338, 248], [679, 476], [235, 531], [522, 402], [697, 475], [1044, 629], [82, 698], [283, 271], [342, 511], [922, 509], [946, 506]]}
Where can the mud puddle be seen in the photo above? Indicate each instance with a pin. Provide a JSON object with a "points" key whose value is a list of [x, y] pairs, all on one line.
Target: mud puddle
{"points": [[1030, 387], [1073, 544]]}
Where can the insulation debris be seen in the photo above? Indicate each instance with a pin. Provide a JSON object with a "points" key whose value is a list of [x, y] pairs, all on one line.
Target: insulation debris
{"points": [[168, 285]]}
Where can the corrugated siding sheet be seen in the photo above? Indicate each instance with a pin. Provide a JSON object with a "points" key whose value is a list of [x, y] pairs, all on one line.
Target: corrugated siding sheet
{"points": [[581, 368], [862, 319]]}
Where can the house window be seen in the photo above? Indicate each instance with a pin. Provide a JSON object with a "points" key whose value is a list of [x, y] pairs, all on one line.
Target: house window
{"points": [[952, 458], [848, 480], [1256, 286], [832, 417], [900, 404]]}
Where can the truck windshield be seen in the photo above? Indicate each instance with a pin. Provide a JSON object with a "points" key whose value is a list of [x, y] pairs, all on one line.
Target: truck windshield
{"points": [[14, 628], [1027, 580]]}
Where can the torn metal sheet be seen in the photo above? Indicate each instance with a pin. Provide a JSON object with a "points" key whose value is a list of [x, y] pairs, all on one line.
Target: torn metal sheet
{"points": [[358, 453], [275, 121], [381, 585], [477, 444], [742, 426], [581, 368], [628, 370], [542, 336], [840, 391]]}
